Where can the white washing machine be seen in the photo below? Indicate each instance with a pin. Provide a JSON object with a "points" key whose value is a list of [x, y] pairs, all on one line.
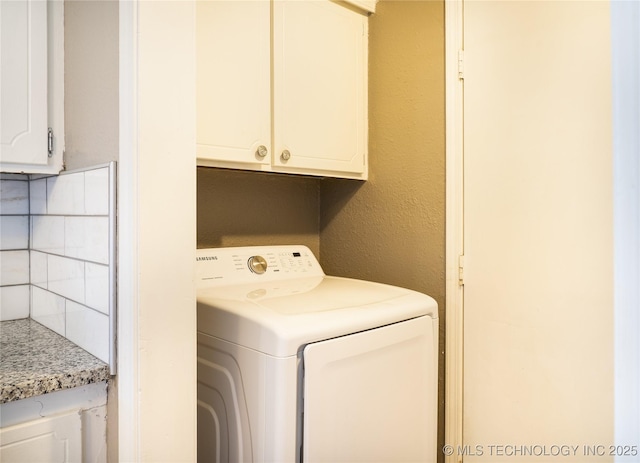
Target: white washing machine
{"points": [[297, 366]]}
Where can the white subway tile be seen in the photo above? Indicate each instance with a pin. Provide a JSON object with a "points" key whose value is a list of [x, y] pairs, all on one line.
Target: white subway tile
{"points": [[14, 197], [87, 238], [97, 287], [47, 234], [14, 268], [66, 277], [68, 261], [39, 270], [96, 187], [14, 232], [48, 309], [88, 329], [14, 302], [38, 196], [65, 194]]}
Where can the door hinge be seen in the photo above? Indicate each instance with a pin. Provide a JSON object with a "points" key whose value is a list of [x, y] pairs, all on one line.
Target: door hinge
{"points": [[50, 142], [461, 270], [461, 64]]}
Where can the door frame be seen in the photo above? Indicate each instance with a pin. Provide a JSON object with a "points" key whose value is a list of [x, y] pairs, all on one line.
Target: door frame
{"points": [[626, 117], [156, 290], [454, 83]]}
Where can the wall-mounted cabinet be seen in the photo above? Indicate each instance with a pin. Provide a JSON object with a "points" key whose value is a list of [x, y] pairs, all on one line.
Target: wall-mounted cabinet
{"points": [[282, 87], [31, 86]]}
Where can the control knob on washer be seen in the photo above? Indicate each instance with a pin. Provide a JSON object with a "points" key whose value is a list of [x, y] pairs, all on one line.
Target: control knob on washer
{"points": [[257, 264]]}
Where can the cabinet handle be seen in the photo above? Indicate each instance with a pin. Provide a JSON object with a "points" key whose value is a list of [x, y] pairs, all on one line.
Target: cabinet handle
{"points": [[262, 151], [286, 155]]}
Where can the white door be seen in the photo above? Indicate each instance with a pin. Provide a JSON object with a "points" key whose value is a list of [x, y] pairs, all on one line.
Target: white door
{"points": [[371, 396], [538, 231], [23, 83]]}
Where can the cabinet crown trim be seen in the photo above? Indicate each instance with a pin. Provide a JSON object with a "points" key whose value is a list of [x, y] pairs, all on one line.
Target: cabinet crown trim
{"points": [[366, 5]]}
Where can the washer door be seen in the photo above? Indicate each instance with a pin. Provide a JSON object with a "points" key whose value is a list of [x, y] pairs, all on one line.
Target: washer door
{"points": [[371, 396]]}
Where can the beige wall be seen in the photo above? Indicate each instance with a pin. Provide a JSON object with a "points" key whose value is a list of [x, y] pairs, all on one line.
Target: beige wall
{"points": [[91, 82], [237, 208], [392, 228]]}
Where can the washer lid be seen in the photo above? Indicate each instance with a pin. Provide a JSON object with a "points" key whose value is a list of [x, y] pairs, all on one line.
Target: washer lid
{"points": [[280, 317]]}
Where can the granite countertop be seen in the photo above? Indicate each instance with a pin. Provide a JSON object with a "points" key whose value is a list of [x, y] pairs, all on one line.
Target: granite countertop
{"points": [[35, 360]]}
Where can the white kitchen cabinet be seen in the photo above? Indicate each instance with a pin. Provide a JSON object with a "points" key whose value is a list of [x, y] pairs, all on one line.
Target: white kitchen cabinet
{"points": [[51, 439], [60, 426], [31, 86], [282, 87]]}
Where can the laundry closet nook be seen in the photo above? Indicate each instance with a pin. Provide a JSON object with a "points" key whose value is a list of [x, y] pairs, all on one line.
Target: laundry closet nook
{"points": [[130, 97]]}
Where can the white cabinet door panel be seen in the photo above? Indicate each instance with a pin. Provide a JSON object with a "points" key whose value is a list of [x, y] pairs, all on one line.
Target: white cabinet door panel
{"points": [[320, 85], [233, 73], [23, 82], [52, 439]]}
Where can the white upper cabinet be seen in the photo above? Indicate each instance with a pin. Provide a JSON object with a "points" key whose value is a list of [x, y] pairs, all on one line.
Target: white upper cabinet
{"points": [[320, 87], [282, 87], [30, 78], [23, 123], [234, 81]]}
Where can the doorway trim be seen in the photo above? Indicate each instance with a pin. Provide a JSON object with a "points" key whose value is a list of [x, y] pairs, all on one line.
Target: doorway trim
{"points": [[128, 380], [454, 83]]}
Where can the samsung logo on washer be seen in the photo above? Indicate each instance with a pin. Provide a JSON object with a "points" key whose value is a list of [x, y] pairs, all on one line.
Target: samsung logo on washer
{"points": [[198, 259]]}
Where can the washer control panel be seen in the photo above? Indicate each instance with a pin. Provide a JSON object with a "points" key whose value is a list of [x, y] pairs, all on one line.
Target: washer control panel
{"points": [[239, 265]]}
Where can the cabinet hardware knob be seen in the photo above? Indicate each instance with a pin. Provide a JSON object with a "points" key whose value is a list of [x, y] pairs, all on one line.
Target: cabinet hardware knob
{"points": [[286, 155], [262, 151]]}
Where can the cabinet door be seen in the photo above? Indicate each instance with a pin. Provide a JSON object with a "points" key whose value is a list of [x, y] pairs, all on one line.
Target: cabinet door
{"points": [[51, 439], [320, 87], [23, 83], [233, 81]]}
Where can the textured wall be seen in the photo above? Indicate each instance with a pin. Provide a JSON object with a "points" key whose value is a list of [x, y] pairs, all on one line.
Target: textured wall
{"points": [[392, 228], [237, 208], [91, 82]]}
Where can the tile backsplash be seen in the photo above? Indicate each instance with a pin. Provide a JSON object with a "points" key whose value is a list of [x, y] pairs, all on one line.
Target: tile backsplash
{"points": [[14, 246], [58, 255]]}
